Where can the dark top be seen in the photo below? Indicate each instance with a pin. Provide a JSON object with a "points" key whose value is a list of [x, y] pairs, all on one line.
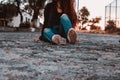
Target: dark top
{"points": [[51, 18]]}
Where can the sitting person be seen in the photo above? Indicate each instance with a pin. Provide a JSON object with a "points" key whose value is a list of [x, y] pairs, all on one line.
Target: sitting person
{"points": [[59, 22]]}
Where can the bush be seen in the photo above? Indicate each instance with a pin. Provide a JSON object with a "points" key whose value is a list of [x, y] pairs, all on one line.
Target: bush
{"points": [[25, 25], [111, 27], [94, 27]]}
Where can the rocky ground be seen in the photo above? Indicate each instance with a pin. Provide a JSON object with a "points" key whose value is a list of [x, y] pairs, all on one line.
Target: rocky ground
{"points": [[96, 57]]}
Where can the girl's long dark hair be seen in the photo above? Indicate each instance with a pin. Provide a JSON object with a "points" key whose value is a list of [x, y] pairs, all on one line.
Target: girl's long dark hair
{"points": [[68, 8]]}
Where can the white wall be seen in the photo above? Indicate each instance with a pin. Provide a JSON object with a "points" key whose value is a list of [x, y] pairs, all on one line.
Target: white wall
{"points": [[16, 20]]}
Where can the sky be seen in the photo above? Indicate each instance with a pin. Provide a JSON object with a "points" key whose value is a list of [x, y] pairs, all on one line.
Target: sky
{"points": [[96, 8]]}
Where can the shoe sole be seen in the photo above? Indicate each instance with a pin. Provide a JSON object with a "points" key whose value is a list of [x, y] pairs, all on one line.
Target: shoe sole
{"points": [[72, 36], [59, 40]]}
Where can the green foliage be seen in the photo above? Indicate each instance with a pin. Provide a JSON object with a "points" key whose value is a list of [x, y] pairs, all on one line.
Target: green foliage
{"points": [[84, 28], [94, 27], [25, 25], [111, 26], [8, 10], [93, 21], [36, 4], [83, 14]]}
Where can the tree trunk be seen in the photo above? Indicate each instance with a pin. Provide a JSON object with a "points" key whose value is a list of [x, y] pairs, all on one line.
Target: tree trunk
{"points": [[35, 17], [19, 11], [21, 17]]}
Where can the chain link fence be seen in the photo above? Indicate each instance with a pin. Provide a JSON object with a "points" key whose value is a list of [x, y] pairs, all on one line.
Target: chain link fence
{"points": [[112, 13]]}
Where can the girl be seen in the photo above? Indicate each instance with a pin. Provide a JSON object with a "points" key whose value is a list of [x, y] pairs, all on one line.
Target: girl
{"points": [[60, 20]]}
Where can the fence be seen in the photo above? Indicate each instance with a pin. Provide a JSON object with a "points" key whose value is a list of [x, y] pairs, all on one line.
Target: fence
{"points": [[112, 12]]}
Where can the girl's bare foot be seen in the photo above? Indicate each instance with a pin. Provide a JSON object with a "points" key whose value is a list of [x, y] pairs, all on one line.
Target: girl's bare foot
{"points": [[78, 40], [36, 40]]}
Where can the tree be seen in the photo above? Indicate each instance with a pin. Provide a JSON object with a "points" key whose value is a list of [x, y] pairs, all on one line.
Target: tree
{"points": [[8, 11], [36, 5], [111, 26], [18, 2], [33, 5], [94, 21], [83, 15]]}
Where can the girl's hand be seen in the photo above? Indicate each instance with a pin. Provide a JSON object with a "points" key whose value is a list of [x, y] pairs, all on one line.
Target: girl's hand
{"points": [[36, 40], [78, 40]]}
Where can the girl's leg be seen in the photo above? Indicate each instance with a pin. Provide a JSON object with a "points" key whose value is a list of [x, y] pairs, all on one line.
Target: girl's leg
{"points": [[52, 37], [48, 33], [67, 26]]}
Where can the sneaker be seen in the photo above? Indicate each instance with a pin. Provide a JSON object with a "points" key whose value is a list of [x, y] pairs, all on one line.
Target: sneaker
{"points": [[57, 39], [72, 36], [62, 41]]}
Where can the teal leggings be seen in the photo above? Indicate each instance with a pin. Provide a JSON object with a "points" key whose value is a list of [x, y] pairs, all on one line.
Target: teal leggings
{"points": [[65, 24]]}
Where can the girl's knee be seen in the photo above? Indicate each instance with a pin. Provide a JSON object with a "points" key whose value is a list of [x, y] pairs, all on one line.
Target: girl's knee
{"points": [[64, 17], [47, 30]]}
